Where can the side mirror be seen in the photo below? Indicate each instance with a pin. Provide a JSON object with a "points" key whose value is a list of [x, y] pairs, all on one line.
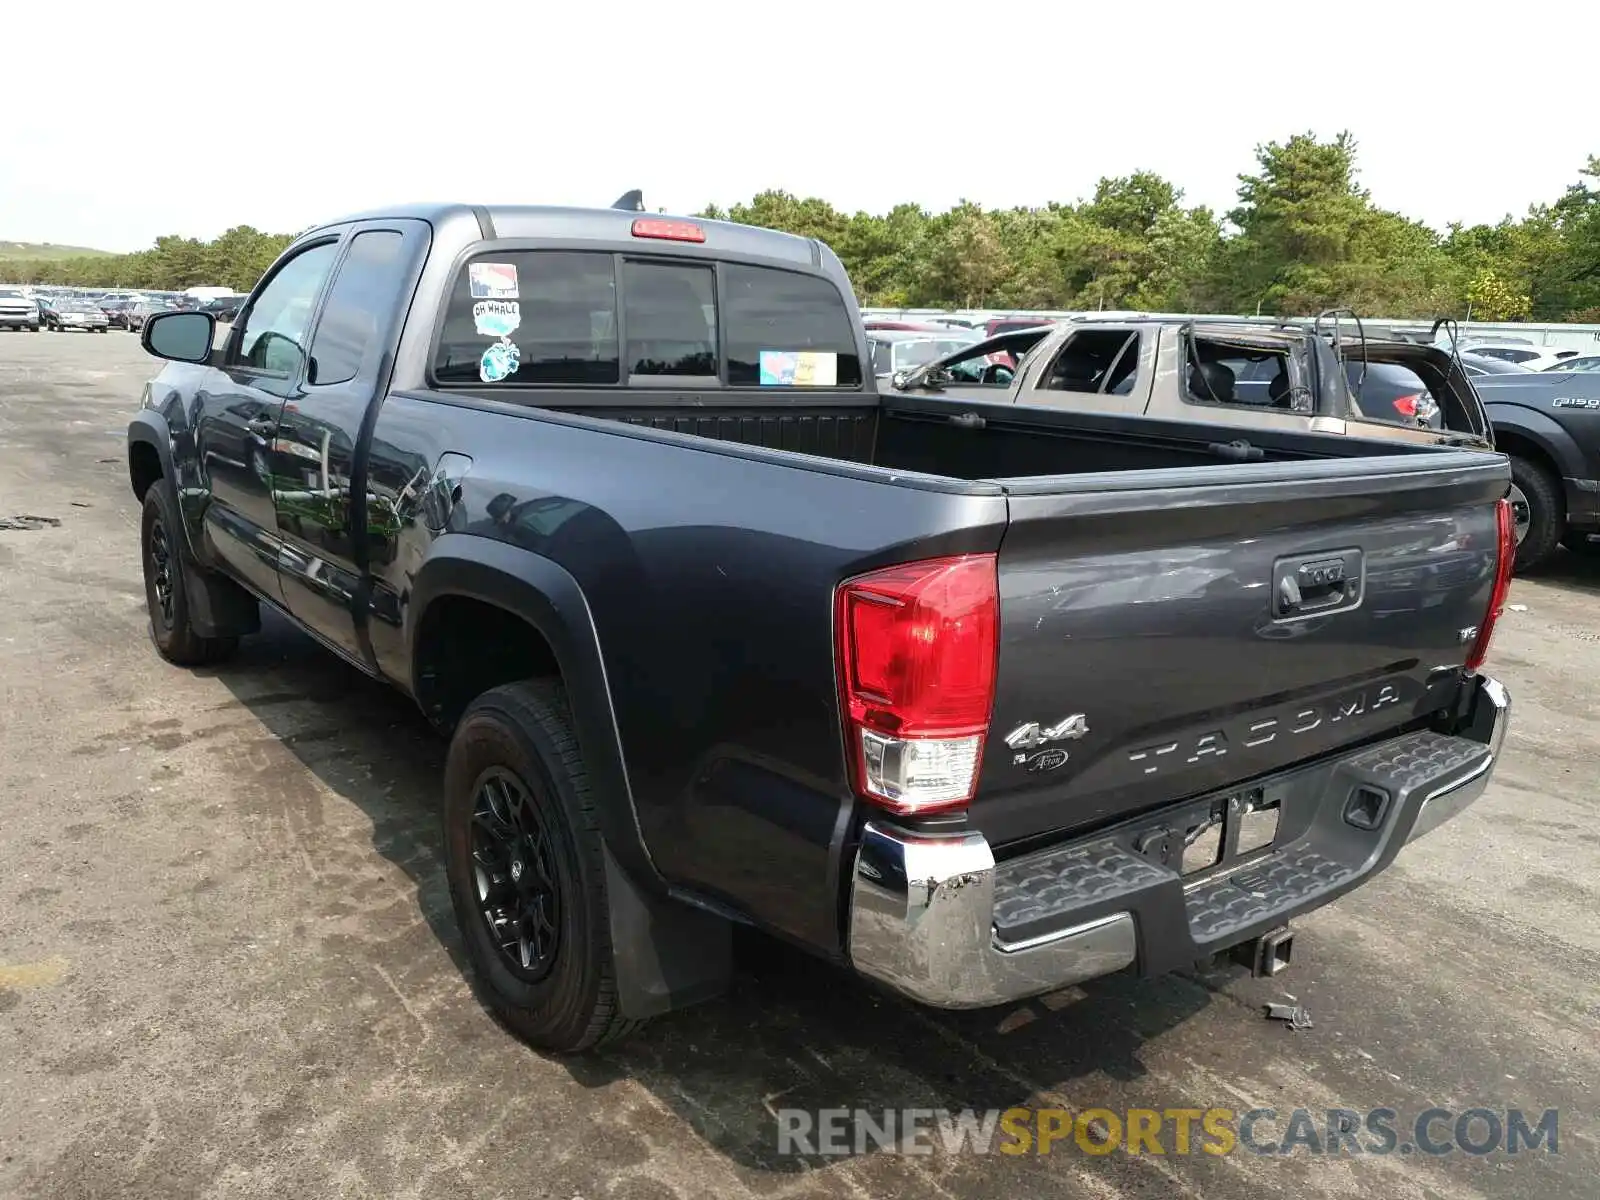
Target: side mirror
{"points": [[179, 336]]}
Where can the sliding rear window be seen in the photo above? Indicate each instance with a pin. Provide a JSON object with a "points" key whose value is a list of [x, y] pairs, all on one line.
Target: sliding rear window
{"points": [[565, 318], [787, 329], [519, 318]]}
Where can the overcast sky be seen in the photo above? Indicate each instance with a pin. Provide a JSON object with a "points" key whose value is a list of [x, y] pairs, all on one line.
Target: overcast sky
{"points": [[124, 122]]}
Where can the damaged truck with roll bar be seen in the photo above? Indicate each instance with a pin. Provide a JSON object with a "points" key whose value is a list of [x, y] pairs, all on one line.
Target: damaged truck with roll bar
{"points": [[972, 699]]}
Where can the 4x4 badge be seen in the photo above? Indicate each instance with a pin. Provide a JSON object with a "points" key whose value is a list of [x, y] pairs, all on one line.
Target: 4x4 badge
{"points": [[1026, 737]]}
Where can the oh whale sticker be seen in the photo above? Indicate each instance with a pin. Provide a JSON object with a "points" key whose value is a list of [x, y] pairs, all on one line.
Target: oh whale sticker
{"points": [[496, 318], [499, 361]]}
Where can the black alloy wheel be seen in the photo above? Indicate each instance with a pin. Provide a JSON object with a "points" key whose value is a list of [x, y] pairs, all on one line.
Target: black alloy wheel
{"points": [[161, 571], [514, 866]]}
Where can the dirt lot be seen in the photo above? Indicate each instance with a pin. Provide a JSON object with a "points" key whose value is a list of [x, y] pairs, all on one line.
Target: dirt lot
{"points": [[228, 968]]}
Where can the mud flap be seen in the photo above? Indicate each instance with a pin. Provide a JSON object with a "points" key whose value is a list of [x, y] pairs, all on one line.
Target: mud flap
{"points": [[668, 955], [219, 607]]}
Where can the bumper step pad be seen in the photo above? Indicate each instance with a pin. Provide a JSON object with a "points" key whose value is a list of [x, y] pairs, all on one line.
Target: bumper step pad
{"points": [[1032, 891]]}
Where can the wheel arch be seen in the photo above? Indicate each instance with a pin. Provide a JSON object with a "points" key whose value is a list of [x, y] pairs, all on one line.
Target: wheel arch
{"points": [[469, 577], [1529, 434]]}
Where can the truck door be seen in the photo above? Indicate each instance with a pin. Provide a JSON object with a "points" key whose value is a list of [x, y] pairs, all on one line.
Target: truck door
{"points": [[327, 517], [238, 406], [1098, 368]]}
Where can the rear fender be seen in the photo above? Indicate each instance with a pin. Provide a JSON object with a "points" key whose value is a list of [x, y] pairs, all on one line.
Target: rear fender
{"points": [[667, 953]]}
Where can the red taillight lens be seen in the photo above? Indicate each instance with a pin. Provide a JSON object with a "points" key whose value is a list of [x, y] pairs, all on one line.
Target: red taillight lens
{"points": [[1502, 584], [1406, 406], [671, 231], [916, 647]]}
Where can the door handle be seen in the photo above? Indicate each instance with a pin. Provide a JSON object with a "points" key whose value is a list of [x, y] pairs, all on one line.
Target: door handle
{"points": [[1319, 583]]}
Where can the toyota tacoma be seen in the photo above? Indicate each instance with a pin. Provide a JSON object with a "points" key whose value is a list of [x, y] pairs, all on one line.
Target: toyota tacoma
{"points": [[975, 699]]}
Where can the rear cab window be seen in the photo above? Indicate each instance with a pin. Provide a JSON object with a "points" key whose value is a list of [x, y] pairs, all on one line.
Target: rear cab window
{"points": [[1238, 375], [519, 318], [1392, 393]]}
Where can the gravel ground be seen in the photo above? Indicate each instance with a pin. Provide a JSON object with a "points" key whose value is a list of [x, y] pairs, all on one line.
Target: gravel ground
{"points": [[228, 967]]}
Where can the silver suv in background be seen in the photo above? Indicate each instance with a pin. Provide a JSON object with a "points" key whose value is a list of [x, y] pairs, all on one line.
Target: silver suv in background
{"points": [[18, 311]]}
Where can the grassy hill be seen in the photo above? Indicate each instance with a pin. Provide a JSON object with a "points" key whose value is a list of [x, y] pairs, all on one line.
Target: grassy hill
{"points": [[37, 250]]}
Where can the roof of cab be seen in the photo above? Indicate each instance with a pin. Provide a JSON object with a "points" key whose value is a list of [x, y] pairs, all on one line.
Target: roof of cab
{"points": [[602, 225]]}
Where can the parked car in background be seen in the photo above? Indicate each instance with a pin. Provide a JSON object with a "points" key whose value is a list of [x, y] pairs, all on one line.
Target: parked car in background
{"points": [[1287, 375], [1388, 391], [1534, 358], [116, 311], [62, 314], [874, 325], [1480, 364], [1001, 325], [142, 310], [18, 311], [1583, 362], [223, 308], [902, 350], [1548, 424]]}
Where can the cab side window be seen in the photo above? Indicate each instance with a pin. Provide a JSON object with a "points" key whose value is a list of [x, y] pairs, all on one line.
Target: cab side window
{"points": [[1095, 360], [272, 336], [365, 288]]}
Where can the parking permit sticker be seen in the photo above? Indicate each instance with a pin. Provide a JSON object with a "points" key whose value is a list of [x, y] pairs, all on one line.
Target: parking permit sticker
{"points": [[496, 318], [799, 368], [493, 281], [499, 361]]}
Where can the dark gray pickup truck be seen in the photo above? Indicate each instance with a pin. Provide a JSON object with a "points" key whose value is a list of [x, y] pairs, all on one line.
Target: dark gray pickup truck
{"points": [[977, 700]]}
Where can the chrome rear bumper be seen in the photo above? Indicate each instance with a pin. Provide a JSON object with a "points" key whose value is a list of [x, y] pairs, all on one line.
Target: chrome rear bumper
{"points": [[922, 907]]}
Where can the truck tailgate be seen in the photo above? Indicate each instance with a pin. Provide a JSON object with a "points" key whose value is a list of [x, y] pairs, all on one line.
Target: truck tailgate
{"points": [[1166, 634]]}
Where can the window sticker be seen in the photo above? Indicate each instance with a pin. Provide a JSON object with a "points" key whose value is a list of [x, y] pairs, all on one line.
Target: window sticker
{"points": [[799, 368], [496, 318], [499, 361], [493, 281]]}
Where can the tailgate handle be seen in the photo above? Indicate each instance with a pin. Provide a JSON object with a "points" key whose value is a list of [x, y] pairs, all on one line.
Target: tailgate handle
{"points": [[1309, 585]]}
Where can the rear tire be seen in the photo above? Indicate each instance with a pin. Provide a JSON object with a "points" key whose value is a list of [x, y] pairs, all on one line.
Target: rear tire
{"points": [[526, 868], [166, 591], [1545, 511]]}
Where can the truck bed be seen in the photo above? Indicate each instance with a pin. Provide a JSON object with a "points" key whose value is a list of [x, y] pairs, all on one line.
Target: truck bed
{"points": [[955, 439]]}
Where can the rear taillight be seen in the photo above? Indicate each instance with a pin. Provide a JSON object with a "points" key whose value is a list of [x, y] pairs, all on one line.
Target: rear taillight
{"points": [[916, 648], [1418, 407], [1502, 584]]}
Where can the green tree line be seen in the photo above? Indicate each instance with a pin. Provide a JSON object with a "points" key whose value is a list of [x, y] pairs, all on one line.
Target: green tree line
{"points": [[1303, 237], [235, 260]]}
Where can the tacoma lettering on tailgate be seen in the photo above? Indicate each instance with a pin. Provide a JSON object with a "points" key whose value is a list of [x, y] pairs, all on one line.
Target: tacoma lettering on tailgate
{"points": [[1253, 731]]}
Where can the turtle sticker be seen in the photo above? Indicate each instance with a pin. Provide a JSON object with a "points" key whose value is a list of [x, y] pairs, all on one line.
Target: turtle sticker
{"points": [[499, 361], [496, 318]]}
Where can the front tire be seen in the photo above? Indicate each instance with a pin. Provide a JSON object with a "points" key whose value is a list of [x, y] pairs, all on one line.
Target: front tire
{"points": [[165, 588], [526, 869], [1539, 511]]}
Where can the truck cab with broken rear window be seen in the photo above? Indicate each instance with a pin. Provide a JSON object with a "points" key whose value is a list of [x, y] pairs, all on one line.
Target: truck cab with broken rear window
{"points": [[974, 699]]}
